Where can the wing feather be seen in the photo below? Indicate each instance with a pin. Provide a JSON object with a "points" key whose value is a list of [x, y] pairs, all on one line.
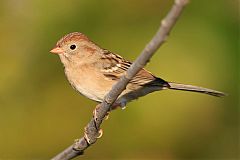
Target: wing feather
{"points": [[114, 67]]}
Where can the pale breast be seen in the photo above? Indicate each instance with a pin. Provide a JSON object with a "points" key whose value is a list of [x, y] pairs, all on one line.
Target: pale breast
{"points": [[88, 82]]}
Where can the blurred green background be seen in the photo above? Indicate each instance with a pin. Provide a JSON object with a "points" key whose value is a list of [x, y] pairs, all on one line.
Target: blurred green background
{"points": [[40, 114]]}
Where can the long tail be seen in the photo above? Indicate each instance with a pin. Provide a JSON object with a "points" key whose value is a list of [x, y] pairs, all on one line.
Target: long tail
{"points": [[185, 87]]}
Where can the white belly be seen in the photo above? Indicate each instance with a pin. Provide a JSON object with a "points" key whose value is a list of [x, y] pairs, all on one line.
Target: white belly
{"points": [[88, 93]]}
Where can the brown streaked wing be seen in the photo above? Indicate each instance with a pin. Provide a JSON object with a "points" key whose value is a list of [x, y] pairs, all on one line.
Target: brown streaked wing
{"points": [[115, 66]]}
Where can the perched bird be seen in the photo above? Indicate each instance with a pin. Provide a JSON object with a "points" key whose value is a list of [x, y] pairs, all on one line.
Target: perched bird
{"points": [[92, 71]]}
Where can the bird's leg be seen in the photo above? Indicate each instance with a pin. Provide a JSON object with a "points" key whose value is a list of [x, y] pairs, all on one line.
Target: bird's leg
{"points": [[95, 113], [121, 103], [115, 106]]}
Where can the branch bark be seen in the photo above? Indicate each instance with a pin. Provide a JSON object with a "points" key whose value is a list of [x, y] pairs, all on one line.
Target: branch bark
{"points": [[92, 130]]}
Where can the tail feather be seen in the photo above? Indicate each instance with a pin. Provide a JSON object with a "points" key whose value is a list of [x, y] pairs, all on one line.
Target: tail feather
{"points": [[185, 87]]}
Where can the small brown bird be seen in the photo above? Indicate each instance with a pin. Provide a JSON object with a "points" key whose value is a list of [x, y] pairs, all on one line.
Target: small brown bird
{"points": [[92, 71]]}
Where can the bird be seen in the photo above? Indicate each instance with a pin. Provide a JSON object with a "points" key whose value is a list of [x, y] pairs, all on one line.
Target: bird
{"points": [[92, 71]]}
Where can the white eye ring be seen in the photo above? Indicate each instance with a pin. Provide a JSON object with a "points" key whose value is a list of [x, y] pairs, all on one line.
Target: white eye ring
{"points": [[73, 46]]}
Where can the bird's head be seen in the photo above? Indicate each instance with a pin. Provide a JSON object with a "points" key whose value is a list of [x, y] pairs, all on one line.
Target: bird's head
{"points": [[74, 47]]}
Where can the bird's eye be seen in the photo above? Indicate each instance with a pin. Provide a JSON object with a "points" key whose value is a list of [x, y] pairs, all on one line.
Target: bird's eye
{"points": [[73, 46]]}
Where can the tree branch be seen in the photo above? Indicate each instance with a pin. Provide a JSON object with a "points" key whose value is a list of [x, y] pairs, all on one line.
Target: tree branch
{"points": [[92, 130]]}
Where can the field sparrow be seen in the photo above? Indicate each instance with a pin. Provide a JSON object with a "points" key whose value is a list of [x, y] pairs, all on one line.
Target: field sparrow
{"points": [[92, 71]]}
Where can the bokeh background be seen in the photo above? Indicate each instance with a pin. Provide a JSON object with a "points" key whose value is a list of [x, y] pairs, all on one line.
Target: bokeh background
{"points": [[40, 114]]}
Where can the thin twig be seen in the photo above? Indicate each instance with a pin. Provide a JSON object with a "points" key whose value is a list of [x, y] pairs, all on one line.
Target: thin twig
{"points": [[92, 130]]}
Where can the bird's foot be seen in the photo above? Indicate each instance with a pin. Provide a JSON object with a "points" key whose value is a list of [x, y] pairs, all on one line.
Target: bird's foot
{"points": [[95, 113], [100, 133]]}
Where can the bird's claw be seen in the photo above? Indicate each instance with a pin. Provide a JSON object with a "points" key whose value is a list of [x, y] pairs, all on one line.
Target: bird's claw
{"points": [[86, 138], [95, 113], [107, 116], [100, 132]]}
